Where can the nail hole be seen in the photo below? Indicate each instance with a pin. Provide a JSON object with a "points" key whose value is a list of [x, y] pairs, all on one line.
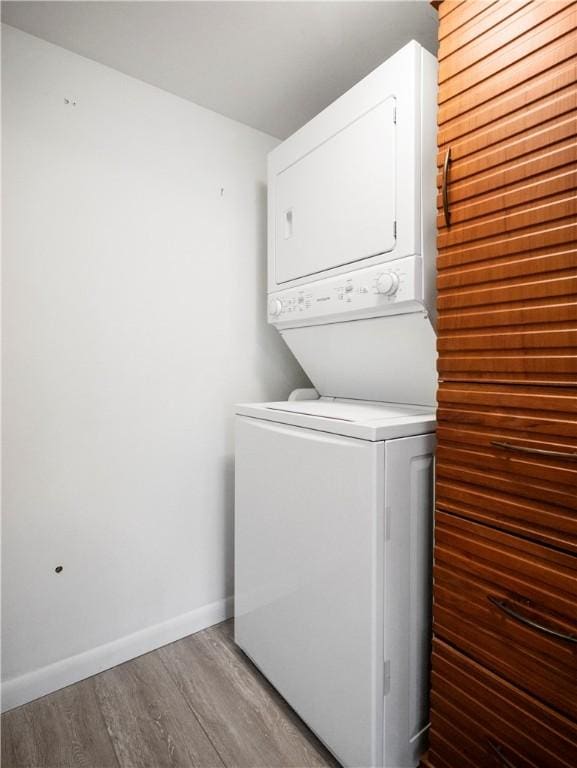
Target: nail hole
{"points": [[58, 569]]}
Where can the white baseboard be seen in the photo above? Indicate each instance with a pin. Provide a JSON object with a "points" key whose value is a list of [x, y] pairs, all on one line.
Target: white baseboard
{"points": [[20, 690]]}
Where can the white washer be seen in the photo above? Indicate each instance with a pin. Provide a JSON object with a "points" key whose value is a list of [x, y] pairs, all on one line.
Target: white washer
{"points": [[333, 558]]}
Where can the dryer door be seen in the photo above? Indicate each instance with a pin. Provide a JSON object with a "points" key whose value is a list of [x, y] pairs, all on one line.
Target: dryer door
{"points": [[309, 577], [336, 204]]}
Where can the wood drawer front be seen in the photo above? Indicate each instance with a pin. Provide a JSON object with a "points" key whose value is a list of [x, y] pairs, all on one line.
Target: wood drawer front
{"points": [[481, 578], [507, 264], [531, 494], [473, 709]]}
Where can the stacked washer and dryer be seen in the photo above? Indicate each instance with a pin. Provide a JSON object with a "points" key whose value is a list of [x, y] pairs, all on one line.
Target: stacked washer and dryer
{"points": [[334, 495]]}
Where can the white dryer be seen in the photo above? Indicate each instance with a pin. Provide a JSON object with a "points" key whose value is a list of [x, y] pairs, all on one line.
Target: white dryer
{"points": [[333, 512]]}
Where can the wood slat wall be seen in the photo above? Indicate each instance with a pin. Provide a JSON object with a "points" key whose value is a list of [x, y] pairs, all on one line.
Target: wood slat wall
{"points": [[504, 693], [472, 708], [508, 262]]}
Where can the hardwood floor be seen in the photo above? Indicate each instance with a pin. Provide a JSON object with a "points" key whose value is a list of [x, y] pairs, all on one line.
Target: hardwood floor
{"points": [[63, 729], [197, 702]]}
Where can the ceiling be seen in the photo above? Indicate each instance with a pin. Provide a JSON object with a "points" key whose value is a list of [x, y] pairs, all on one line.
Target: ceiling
{"points": [[271, 65]]}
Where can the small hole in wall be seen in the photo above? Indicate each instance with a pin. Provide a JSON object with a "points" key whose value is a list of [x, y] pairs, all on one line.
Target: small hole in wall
{"points": [[58, 569]]}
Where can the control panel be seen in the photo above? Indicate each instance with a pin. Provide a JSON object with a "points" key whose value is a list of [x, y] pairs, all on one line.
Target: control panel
{"points": [[392, 287]]}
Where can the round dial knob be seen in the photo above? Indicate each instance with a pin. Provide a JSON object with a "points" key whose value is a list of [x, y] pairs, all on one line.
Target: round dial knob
{"points": [[387, 283], [275, 307]]}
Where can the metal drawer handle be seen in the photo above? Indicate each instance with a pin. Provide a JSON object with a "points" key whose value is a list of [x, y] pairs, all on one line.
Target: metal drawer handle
{"points": [[497, 750], [446, 210], [539, 451], [529, 622]]}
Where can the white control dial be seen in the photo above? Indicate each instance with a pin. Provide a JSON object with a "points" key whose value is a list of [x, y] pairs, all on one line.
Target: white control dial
{"points": [[387, 283], [274, 307]]}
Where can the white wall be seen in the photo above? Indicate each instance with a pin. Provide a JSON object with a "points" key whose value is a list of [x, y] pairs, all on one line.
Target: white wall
{"points": [[134, 318]]}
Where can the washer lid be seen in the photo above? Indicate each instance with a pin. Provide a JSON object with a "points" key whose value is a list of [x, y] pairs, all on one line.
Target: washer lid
{"points": [[352, 418]]}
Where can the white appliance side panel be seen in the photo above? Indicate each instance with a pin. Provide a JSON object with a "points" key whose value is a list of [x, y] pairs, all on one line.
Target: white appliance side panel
{"points": [[336, 205], [390, 359], [309, 577], [409, 483], [428, 174]]}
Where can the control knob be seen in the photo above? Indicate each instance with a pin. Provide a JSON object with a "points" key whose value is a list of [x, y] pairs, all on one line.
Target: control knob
{"points": [[274, 307], [387, 283]]}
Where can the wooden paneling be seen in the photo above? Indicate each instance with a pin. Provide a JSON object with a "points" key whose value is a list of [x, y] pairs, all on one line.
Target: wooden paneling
{"points": [[543, 24], [507, 265], [461, 11], [502, 44], [536, 241], [563, 206], [521, 96], [525, 493], [550, 184], [504, 682], [475, 711], [488, 587], [484, 20], [515, 79]]}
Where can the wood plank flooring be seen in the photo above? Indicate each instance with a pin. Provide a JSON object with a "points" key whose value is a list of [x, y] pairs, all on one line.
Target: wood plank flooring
{"points": [[197, 703]]}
